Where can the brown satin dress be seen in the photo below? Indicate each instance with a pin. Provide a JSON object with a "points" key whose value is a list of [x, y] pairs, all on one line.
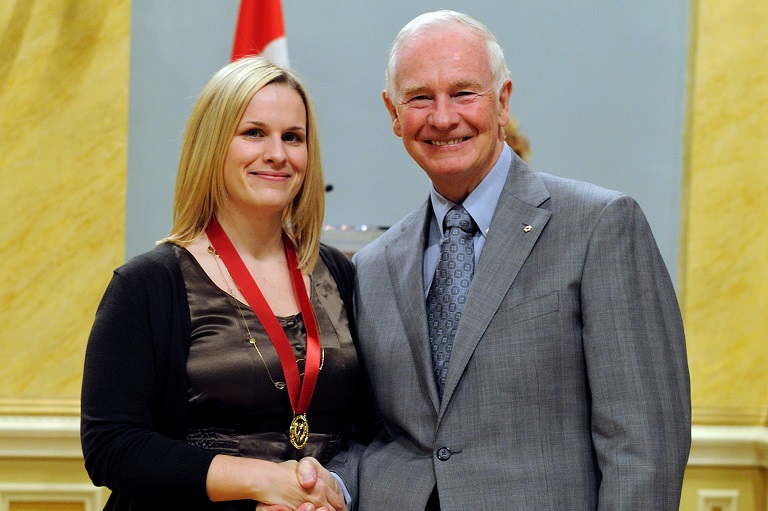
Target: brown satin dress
{"points": [[234, 407]]}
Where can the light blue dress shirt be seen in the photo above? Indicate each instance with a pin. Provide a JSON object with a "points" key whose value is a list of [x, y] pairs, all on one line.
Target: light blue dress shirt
{"points": [[480, 204]]}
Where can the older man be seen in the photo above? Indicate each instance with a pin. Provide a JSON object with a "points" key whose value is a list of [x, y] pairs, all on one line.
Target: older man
{"points": [[528, 353]]}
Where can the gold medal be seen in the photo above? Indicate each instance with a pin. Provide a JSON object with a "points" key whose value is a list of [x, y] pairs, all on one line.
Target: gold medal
{"points": [[299, 431]]}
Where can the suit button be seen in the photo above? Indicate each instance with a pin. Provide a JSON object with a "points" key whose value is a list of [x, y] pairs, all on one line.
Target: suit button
{"points": [[443, 454]]}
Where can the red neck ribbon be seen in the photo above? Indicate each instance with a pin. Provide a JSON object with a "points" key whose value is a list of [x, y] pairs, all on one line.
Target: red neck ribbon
{"points": [[300, 393]]}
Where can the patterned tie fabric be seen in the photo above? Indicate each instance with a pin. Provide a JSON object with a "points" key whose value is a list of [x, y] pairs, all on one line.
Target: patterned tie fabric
{"points": [[448, 292]]}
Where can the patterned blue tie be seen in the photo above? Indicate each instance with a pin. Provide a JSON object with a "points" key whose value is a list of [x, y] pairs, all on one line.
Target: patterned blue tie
{"points": [[448, 292]]}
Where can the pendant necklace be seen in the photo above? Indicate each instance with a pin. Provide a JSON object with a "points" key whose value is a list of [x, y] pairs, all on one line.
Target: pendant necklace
{"points": [[279, 385], [299, 391]]}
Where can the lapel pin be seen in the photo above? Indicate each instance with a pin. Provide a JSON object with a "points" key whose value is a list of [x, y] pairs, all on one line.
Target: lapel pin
{"points": [[527, 229]]}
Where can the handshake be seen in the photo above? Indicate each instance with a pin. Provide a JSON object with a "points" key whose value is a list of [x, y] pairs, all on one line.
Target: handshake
{"points": [[287, 486]]}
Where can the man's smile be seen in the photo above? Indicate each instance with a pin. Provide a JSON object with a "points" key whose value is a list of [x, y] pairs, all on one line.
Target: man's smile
{"points": [[447, 142]]}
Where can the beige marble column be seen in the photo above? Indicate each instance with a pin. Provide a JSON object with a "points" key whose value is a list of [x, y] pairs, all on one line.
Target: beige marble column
{"points": [[724, 255], [63, 137], [725, 244]]}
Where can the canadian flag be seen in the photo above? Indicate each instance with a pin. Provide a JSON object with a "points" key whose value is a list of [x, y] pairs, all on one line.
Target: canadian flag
{"points": [[260, 31]]}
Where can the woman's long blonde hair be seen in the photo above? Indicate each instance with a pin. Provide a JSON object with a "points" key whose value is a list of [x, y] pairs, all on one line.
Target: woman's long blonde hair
{"points": [[200, 190]]}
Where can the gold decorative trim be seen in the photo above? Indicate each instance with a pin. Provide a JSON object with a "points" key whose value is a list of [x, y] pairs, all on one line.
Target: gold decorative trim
{"points": [[729, 416], [39, 406]]}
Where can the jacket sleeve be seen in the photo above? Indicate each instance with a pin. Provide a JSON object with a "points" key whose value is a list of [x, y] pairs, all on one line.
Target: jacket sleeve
{"points": [[365, 426], [129, 405], [636, 364]]}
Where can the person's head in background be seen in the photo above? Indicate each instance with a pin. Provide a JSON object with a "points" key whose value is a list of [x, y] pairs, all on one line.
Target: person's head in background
{"points": [[517, 140]]}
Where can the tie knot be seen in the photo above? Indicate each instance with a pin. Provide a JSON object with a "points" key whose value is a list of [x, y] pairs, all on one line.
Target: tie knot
{"points": [[458, 217]]}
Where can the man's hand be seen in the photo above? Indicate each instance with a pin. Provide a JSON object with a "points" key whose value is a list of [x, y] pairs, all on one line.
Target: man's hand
{"points": [[313, 476], [317, 481]]}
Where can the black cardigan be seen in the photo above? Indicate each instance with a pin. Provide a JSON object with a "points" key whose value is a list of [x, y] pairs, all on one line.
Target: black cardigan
{"points": [[134, 390]]}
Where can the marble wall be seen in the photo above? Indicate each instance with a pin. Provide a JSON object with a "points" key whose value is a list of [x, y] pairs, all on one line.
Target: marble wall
{"points": [[724, 250], [63, 136], [724, 261], [63, 131]]}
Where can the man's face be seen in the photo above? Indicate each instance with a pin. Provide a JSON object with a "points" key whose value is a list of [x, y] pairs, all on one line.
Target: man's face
{"points": [[446, 108]]}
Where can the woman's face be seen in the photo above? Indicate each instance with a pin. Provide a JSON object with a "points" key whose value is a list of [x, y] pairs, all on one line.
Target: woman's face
{"points": [[267, 159]]}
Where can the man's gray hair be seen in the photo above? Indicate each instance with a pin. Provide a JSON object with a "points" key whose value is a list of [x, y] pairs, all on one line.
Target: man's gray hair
{"points": [[443, 18]]}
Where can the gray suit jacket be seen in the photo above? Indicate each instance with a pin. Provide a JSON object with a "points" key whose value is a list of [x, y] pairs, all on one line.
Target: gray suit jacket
{"points": [[568, 386]]}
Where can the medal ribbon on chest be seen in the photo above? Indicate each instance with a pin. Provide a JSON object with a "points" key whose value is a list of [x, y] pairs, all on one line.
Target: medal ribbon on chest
{"points": [[299, 392]]}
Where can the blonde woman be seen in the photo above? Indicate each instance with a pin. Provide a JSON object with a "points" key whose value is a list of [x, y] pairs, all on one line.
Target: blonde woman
{"points": [[223, 357]]}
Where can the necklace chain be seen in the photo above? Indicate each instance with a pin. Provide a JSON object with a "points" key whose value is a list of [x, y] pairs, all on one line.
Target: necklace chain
{"points": [[279, 385]]}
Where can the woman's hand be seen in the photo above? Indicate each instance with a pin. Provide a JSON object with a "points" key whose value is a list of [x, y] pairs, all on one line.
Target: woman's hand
{"points": [[317, 481]]}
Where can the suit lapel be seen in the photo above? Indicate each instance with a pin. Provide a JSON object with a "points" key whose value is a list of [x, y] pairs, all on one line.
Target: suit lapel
{"points": [[507, 246], [405, 262]]}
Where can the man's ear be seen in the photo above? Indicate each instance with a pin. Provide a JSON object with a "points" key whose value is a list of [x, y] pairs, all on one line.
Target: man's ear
{"points": [[392, 113], [504, 94]]}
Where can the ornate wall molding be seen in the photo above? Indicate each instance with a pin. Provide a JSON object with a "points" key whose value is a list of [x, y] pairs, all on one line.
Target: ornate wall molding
{"points": [[54, 493], [59, 437], [40, 437], [730, 416], [729, 446], [39, 406]]}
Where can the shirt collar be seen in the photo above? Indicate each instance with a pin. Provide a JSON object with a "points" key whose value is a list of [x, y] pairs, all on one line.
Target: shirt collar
{"points": [[481, 203]]}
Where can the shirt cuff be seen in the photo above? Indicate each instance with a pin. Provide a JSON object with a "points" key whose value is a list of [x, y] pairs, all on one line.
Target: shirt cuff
{"points": [[347, 496]]}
